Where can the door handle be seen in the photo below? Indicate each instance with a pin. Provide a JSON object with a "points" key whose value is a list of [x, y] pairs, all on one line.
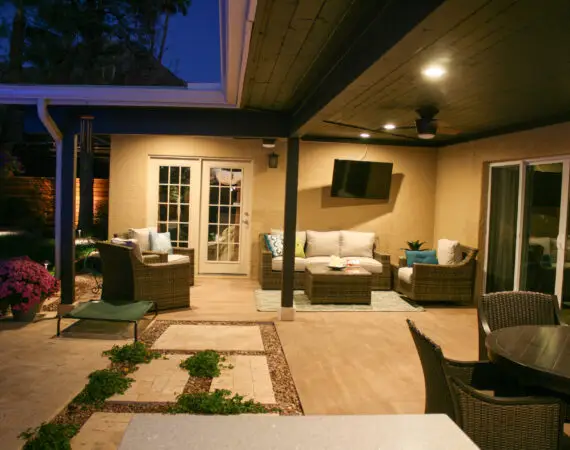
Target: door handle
{"points": [[245, 222]]}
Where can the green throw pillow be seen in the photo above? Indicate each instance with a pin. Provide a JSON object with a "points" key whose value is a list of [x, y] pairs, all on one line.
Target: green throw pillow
{"points": [[299, 250]]}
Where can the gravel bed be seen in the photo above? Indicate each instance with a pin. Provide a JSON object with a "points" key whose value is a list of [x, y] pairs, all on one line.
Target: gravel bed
{"points": [[196, 385], [283, 385]]}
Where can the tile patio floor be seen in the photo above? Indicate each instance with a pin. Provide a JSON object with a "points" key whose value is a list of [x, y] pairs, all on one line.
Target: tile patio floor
{"points": [[342, 363]]}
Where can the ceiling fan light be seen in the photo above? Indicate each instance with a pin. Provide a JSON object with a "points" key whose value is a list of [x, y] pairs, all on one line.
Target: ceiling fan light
{"points": [[426, 128]]}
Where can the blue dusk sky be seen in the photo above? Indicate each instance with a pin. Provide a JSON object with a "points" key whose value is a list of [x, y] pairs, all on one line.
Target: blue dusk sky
{"points": [[192, 46]]}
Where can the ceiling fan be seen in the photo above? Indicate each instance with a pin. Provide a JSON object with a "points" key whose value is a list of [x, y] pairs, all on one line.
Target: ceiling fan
{"points": [[426, 125]]}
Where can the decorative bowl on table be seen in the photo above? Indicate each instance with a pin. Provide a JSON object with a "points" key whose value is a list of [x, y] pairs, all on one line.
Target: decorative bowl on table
{"points": [[336, 263]]}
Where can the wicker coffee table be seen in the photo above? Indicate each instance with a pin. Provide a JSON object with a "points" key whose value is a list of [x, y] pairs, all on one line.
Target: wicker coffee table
{"points": [[348, 286]]}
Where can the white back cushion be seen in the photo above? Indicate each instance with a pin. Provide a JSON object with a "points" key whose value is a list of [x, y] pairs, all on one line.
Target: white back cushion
{"points": [[356, 243], [323, 243], [142, 235], [448, 252]]}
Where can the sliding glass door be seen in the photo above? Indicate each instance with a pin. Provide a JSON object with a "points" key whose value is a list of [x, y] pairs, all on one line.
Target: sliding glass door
{"points": [[527, 228]]}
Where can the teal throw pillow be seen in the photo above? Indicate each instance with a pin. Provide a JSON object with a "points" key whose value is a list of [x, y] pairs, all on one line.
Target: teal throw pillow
{"points": [[420, 257], [160, 242], [275, 244]]}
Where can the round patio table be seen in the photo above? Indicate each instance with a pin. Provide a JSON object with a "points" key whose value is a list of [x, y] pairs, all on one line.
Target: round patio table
{"points": [[538, 356]]}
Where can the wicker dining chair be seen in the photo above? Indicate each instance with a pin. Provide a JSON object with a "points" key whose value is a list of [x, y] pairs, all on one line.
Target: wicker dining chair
{"points": [[512, 416], [126, 278], [511, 309], [480, 374], [530, 423]]}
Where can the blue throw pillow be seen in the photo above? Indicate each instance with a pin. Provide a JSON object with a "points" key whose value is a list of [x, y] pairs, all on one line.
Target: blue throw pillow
{"points": [[420, 257], [160, 242], [275, 244]]}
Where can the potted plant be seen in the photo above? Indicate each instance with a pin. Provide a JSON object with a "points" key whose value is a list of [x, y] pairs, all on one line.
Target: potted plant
{"points": [[24, 286], [415, 245]]}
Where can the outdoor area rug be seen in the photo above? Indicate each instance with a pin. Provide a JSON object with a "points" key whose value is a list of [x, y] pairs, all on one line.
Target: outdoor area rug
{"points": [[382, 301]]}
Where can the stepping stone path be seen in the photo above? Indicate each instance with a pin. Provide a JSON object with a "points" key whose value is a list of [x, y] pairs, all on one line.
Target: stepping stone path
{"points": [[210, 337], [103, 431], [249, 377], [162, 380]]}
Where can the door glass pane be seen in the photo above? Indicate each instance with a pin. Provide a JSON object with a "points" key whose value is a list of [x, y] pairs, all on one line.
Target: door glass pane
{"points": [[566, 278], [502, 228], [541, 225], [224, 214], [173, 209]]}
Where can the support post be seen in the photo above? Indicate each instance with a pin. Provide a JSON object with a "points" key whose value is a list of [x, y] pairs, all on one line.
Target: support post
{"points": [[287, 311], [65, 219], [86, 161]]}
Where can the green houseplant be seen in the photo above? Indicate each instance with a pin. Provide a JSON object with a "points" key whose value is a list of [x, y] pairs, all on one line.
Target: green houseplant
{"points": [[24, 286], [415, 245]]}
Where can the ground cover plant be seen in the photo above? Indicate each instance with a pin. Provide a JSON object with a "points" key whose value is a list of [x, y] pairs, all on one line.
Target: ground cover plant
{"points": [[55, 436], [218, 402], [132, 354], [204, 364]]}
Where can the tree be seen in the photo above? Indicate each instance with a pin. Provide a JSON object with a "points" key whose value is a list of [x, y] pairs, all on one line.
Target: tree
{"points": [[169, 8]]}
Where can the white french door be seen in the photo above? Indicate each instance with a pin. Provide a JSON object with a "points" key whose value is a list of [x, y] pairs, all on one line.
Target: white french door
{"points": [[205, 205], [527, 227], [225, 217], [174, 199]]}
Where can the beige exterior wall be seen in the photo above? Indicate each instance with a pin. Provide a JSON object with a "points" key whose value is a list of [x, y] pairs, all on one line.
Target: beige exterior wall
{"points": [[461, 194], [408, 215]]}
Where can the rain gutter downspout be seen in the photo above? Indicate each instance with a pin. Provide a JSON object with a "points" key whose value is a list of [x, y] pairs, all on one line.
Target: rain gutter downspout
{"points": [[57, 136]]}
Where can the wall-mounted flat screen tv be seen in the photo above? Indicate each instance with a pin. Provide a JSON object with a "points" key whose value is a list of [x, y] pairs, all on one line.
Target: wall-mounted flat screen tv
{"points": [[361, 179]]}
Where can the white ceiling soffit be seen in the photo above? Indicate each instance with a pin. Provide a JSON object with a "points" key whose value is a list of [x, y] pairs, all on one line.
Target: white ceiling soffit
{"points": [[236, 18]]}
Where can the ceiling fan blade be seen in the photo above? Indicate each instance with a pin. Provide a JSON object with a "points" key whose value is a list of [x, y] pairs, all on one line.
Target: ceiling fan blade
{"points": [[347, 125], [414, 138], [445, 128]]}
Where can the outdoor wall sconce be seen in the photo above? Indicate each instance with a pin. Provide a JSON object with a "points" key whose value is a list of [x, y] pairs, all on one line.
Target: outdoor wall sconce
{"points": [[273, 160]]}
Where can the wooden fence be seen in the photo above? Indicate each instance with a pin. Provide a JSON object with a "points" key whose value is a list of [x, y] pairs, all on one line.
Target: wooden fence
{"points": [[41, 191]]}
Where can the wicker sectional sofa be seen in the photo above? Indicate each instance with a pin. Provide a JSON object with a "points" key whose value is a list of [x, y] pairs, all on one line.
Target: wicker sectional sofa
{"points": [[378, 264]]}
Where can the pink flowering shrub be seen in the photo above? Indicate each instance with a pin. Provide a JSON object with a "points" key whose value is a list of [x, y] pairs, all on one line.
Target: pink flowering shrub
{"points": [[24, 283]]}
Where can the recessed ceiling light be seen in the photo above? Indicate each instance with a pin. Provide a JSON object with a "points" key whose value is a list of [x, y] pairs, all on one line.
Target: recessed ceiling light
{"points": [[364, 135], [434, 72], [389, 126]]}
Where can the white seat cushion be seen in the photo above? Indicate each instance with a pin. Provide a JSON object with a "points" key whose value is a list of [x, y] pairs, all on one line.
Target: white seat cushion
{"points": [[356, 244], [406, 274], [369, 264], [323, 243], [178, 258], [277, 264], [317, 260], [448, 252]]}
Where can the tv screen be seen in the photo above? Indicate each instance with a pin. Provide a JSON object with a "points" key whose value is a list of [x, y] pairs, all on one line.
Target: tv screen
{"points": [[361, 179]]}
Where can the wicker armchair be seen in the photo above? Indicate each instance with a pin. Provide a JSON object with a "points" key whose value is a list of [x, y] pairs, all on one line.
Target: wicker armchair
{"points": [[491, 422], [530, 423], [163, 258], [434, 282], [127, 278], [510, 309]]}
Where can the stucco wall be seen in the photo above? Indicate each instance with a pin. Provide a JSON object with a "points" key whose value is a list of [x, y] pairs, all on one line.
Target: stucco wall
{"points": [[461, 193], [408, 215]]}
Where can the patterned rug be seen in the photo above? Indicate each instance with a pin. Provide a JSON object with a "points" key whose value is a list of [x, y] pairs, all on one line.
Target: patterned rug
{"points": [[382, 301]]}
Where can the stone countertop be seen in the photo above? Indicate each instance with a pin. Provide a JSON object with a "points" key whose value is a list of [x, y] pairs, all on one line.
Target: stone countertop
{"points": [[264, 432]]}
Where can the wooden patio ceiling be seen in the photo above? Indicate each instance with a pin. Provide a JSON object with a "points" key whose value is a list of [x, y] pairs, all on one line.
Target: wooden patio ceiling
{"points": [[359, 63]]}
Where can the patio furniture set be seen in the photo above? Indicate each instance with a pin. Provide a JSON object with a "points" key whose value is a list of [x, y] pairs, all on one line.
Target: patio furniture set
{"points": [[367, 270], [528, 371]]}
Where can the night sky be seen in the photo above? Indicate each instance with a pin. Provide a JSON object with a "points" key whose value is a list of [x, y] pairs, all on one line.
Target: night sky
{"points": [[193, 43]]}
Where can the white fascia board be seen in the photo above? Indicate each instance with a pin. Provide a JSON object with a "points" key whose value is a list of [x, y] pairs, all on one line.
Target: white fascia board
{"points": [[195, 95]]}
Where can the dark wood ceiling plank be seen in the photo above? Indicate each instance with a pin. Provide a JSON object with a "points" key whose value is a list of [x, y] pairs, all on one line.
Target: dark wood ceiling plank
{"points": [[278, 21], [260, 25], [303, 24], [315, 54]]}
